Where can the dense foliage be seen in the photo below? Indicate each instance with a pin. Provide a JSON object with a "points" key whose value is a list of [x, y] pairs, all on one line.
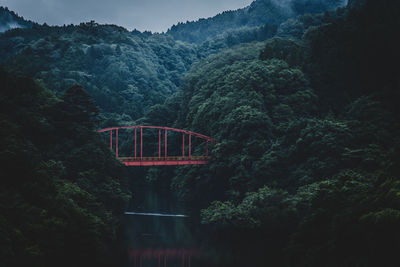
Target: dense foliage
{"points": [[305, 171], [128, 72], [61, 191], [125, 72]]}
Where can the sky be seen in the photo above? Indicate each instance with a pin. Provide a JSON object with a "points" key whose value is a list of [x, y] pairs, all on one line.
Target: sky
{"points": [[151, 15]]}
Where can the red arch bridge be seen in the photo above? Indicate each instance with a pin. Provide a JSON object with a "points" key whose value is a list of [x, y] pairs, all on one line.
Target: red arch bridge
{"points": [[162, 157]]}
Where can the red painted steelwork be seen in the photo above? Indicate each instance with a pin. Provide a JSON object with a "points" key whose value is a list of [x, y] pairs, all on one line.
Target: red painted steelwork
{"points": [[135, 143], [183, 145], [190, 146], [159, 143], [165, 162], [116, 143], [158, 161], [111, 140], [165, 146], [155, 161], [160, 127]]}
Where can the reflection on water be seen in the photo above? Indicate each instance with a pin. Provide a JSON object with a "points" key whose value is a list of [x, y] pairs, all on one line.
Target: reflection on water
{"points": [[154, 214], [161, 231], [163, 257]]}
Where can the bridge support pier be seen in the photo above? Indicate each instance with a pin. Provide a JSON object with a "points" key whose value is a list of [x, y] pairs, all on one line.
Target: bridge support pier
{"points": [[165, 147], [190, 146], [116, 143], [135, 142], [159, 143], [183, 145], [111, 139]]}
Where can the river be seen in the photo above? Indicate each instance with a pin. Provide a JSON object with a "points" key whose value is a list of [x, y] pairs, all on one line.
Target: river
{"points": [[161, 230]]}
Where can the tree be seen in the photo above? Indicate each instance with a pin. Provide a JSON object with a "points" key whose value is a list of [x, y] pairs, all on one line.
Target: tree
{"points": [[79, 107]]}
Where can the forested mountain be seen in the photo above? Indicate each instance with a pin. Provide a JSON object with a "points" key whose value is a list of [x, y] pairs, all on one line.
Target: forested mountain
{"points": [[125, 72], [303, 107], [306, 168], [10, 20], [259, 13], [128, 72]]}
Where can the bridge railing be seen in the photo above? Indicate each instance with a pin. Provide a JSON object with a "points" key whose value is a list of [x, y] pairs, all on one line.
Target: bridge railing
{"points": [[163, 158]]}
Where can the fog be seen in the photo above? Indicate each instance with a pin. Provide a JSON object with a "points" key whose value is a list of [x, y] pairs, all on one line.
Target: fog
{"points": [[153, 15]]}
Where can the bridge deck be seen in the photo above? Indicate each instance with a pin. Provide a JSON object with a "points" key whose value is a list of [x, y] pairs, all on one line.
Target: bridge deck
{"points": [[158, 161]]}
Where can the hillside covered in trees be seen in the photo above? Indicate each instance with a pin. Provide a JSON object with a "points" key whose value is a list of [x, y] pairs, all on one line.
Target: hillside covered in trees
{"points": [[125, 72], [62, 192], [303, 103], [305, 170], [128, 72]]}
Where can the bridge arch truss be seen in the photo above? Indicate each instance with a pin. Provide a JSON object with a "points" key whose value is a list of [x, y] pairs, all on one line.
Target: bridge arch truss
{"points": [[138, 158]]}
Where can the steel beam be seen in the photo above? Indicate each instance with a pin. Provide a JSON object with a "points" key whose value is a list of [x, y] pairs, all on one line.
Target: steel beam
{"points": [[111, 139], [183, 145], [135, 142], [116, 143], [190, 146], [160, 127], [159, 143], [141, 142], [165, 147], [165, 162]]}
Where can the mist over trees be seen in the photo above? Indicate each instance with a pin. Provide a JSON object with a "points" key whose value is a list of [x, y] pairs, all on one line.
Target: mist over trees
{"points": [[10, 20], [259, 13]]}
